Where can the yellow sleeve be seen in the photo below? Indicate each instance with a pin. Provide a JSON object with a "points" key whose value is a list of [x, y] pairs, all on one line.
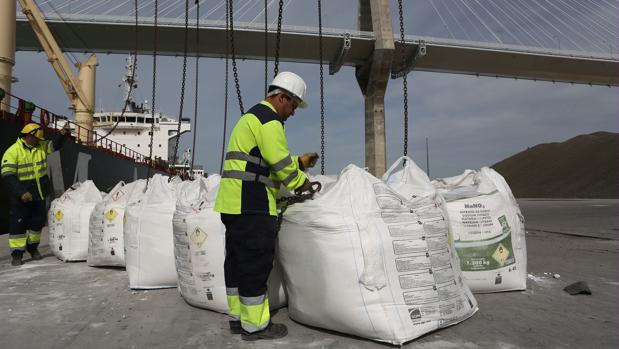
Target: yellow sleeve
{"points": [[274, 149]]}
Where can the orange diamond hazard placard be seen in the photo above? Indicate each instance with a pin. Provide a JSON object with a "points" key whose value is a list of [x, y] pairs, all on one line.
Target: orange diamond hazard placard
{"points": [[501, 254], [198, 236]]}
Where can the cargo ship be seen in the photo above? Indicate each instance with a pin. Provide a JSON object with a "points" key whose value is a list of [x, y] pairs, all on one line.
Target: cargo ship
{"points": [[121, 142]]}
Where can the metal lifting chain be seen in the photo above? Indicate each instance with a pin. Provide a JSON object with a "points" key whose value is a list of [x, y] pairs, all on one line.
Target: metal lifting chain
{"points": [[298, 197], [154, 95], [278, 37], [404, 81], [234, 68], [195, 105], [266, 48], [322, 93], [183, 80], [226, 75], [133, 68]]}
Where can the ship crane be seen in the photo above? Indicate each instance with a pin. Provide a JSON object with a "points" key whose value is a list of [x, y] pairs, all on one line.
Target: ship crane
{"points": [[80, 90]]}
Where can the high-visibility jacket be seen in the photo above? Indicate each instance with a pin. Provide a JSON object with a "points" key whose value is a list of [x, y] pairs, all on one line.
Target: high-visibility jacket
{"points": [[257, 163], [24, 167]]}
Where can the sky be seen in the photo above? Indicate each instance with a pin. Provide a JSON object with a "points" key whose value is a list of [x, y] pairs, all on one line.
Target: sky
{"points": [[469, 121]]}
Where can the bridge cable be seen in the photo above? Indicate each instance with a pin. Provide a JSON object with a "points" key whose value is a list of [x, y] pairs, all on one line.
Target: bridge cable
{"points": [[234, 67], [154, 95], [404, 76], [183, 81], [442, 19], [278, 37], [195, 105], [226, 78], [132, 78], [322, 92]]}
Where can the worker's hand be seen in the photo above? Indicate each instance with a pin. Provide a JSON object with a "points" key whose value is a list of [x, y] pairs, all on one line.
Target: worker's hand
{"points": [[65, 130], [26, 197], [308, 160], [305, 187]]}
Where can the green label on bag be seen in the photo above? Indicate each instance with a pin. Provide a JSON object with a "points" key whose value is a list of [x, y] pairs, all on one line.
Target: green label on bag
{"points": [[491, 256]]}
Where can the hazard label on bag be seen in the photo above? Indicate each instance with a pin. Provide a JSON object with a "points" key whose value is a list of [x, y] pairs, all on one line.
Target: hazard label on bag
{"points": [[58, 215], [198, 236], [501, 254], [110, 215]]}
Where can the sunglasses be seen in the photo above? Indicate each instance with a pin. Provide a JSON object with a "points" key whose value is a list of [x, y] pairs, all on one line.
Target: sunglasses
{"points": [[295, 100]]}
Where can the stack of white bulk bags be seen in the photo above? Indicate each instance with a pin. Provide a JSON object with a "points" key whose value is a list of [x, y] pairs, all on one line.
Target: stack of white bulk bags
{"points": [[149, 247], [200, 249], [106, 242], [488, 230], [69, 218], [362, 259]]}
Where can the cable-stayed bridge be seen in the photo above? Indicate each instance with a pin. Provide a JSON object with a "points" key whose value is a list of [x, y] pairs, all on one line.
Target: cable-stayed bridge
{"points": [[554, 40], [573, 41]]}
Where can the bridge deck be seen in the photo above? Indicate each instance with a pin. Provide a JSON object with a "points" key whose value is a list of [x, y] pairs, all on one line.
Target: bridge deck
{"points": [[300, 44]]}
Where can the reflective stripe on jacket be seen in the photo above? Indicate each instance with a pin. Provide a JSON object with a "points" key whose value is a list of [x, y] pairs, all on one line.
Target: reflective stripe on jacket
{"points": [[257, 163], [27, 163]]}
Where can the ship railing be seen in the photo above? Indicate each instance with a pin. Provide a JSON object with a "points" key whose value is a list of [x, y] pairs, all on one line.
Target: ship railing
{"points": [[22, 112]]}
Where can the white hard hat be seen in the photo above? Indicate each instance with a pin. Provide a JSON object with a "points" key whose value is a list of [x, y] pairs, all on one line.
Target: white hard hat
{"points": [[292, 83]]}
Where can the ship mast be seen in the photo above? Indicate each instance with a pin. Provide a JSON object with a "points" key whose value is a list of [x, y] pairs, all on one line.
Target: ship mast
{"points": [[130, 82]]}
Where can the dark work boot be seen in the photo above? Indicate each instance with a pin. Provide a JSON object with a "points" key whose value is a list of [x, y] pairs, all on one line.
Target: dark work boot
{"points": [[16, 261], [273, 331], [36, 255], [235, 327]]}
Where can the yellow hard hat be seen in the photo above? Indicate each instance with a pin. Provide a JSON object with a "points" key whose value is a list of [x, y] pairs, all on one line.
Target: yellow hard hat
{"points": [[33, 129]]}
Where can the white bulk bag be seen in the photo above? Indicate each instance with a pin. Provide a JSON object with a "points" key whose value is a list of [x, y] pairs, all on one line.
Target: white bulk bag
{"points": [[52, 225], [69, 218], [200, 249], [488, 230], [106, 242], [148, 236], [361, 259]]}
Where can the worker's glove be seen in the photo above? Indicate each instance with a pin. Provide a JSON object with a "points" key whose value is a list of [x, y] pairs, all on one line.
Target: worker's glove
{"points": [[308, 160], [309, 187], [26, 197], [65, 130], [305, 187]]}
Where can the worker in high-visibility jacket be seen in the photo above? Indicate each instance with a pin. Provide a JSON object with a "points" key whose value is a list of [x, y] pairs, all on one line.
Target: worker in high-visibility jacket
{"points": [[257, 163], [24, 171]]}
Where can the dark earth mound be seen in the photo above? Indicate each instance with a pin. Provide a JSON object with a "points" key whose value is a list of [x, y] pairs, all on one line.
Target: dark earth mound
{"points": [[585, 166]]}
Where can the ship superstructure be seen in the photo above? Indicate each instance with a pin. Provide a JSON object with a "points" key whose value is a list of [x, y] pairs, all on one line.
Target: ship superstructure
{"points": [[132, 128]]}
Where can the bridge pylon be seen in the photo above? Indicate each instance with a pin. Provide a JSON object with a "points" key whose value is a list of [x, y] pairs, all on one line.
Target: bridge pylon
{"points": [[372, 76]]}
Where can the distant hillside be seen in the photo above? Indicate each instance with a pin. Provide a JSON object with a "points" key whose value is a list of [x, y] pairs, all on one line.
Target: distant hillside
{"points": [[585, 166]]}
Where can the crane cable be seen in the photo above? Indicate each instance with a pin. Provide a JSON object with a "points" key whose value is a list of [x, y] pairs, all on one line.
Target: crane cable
{"points": [[132, 79], [226, 78], [404, 81], [278, 37], [322, 93], [234, 67], [183, 81], [195, 105], [154, 94]]}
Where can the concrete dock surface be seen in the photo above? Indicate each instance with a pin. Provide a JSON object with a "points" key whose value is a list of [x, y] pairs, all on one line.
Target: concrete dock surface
{"points": [[51, 304]]}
